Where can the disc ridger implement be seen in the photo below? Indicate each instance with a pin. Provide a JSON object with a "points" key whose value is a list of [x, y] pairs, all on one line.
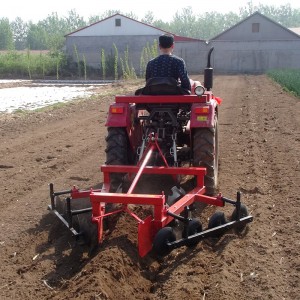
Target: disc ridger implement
{"points": [[154, 232]]}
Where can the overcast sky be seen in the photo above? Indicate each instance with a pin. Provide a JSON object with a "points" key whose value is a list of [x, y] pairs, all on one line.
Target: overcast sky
{"points": [[37, 10]]}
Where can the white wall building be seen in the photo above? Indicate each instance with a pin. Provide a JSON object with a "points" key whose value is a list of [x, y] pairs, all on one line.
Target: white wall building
{"points": [[254, 45]]}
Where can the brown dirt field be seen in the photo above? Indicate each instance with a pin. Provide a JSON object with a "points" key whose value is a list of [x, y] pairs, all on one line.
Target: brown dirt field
{"points": [[259, 155]]}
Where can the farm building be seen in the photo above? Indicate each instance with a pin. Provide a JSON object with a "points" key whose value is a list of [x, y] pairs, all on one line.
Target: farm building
{"points": [[121, 33], [254, 45]]}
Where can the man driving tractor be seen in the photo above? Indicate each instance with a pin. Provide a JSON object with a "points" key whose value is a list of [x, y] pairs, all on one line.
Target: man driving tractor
{"points": [[168, 65]]}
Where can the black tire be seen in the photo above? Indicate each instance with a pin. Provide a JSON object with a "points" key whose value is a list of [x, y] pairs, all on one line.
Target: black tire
{"points": [[164, 236], [206, 154], [117, 152], [193, 227], [82, 223], [243, 213], [88, 231], [217, 219]]}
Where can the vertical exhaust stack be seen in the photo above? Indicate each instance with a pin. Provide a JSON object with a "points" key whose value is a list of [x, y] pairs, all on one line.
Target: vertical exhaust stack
{"points": [[208, 72]]}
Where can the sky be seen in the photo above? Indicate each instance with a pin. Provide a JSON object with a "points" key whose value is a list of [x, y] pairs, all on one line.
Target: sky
{"points": [[33, 10]]}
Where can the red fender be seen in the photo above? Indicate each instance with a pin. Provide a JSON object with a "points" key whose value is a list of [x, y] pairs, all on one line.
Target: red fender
{"points": [[203, 114], [119, 115]]}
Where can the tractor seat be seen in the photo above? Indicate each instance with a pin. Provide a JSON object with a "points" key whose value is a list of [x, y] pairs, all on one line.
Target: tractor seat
{"points": [[162, 86]]}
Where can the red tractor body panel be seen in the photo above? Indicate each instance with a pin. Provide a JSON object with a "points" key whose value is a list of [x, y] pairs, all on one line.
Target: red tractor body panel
{"points": [[203, 114], [165, 98], [119, 115], [122, 112]]}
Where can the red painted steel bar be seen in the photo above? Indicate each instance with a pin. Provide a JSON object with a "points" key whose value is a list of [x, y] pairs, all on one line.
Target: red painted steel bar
{"points": [[165, 99], [141, 169], [137, 199], [197, 171]]}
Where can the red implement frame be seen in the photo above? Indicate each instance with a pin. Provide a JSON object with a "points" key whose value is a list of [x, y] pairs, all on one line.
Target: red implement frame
{"points": [[148, 227]]}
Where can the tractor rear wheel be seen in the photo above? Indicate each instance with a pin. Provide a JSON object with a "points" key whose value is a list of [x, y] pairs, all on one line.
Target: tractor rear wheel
{"points": [[117, 153], [206, 154]]}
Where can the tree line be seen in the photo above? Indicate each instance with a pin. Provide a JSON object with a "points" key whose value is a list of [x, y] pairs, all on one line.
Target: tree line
{"points": [[49, 33]]}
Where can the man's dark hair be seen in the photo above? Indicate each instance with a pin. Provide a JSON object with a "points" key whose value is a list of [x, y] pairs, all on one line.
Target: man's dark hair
{"points": [[166, 40]]}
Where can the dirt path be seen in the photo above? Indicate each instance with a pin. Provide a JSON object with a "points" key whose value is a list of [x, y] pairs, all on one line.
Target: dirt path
{"points": [[259, 155]]}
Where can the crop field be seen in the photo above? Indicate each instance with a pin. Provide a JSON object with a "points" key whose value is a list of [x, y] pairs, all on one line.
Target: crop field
{"points": [[289, 79], [259, 142]]}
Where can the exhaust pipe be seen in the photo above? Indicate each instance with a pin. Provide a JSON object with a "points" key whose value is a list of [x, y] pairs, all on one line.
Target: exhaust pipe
{"points": [[208, 72]]}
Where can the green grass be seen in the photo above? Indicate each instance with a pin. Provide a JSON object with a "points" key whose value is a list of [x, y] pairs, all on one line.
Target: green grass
{"points": [[17, 64], [289, 79], [34, 64], [20, 111]]}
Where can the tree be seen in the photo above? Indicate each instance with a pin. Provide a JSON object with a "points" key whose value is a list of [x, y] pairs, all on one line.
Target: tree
{"points": [[106, 14], [93, 19], [109, 13], [162, 25], [73, 21], [20, 32], [283, 14], [212, 23], [55, 28], [148, 18], [247, 10], [36, 37], [6, 35], [48, 34], [131, 15], [184, 23]]}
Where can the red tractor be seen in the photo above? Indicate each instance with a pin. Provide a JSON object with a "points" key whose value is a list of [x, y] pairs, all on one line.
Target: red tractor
{"points": [[185, 127], [164, 132]]}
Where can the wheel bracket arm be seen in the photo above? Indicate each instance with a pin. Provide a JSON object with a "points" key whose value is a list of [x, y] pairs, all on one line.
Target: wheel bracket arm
{"points": [[208, 233]]}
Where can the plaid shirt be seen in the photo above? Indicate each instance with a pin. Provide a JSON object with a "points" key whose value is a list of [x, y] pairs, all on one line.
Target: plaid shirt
{"points": [[169, 66]]}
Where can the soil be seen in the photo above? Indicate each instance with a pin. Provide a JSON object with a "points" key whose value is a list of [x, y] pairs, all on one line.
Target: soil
{"points": [[259, 156]]}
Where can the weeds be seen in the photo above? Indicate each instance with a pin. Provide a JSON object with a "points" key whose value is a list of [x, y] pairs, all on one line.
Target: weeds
{"points": [[116, 62], [77, 60], [32, 65], [84, 67], [14, 64], [103, 64]]}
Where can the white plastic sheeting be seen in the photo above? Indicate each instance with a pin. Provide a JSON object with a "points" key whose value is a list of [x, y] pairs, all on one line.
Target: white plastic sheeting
{"points": [[30, 98]]}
